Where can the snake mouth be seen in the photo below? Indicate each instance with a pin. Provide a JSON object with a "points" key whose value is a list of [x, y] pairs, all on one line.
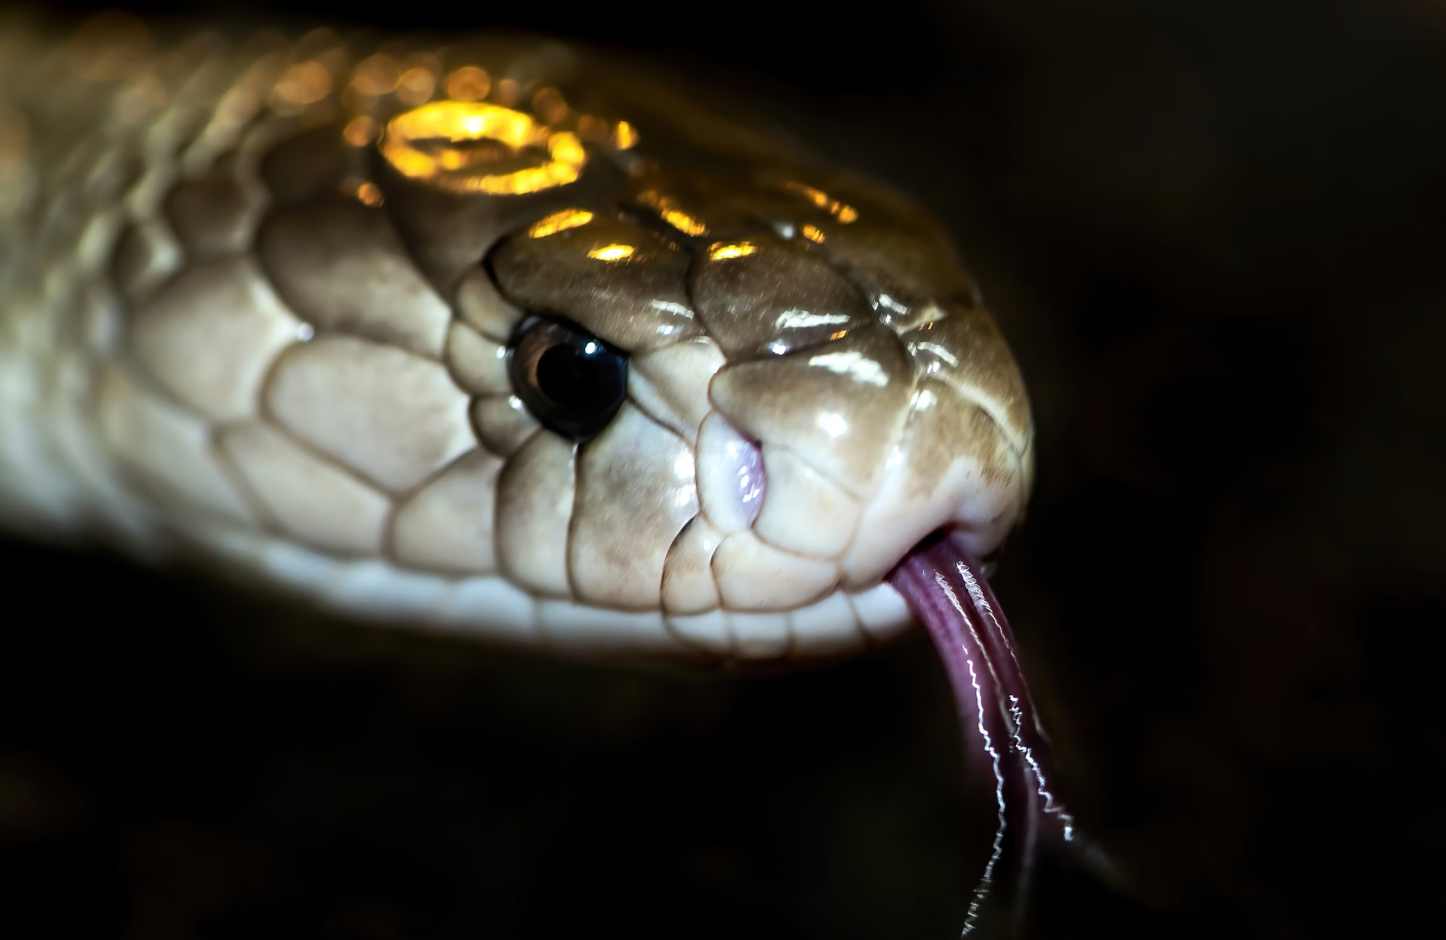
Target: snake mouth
{"points": [[786, 540]]}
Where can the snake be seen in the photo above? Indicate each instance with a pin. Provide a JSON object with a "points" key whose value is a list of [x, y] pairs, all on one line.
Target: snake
{"points": [[500, 337]]}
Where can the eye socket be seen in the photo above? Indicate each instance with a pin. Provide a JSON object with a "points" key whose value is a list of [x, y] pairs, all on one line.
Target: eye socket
{"points": [[569, 379]]}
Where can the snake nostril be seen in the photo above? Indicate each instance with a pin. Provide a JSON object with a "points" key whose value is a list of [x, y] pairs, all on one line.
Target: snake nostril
{"points": [[731, 477]]}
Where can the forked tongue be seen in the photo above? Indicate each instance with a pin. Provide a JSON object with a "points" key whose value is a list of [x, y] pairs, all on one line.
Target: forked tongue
{"points": [[1003, 739]]}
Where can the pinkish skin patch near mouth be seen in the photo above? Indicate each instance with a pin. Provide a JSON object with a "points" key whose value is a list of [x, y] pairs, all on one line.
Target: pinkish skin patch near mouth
{"points": [[732, 479], [752, 481], [947, 592]]}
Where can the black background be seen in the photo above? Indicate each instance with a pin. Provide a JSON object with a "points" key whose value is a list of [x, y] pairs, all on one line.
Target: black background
{"points": [[1212, 231]]}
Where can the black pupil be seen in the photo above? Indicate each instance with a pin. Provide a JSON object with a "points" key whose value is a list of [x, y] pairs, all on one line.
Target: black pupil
{"points": [[570, 380], [572, 377]]}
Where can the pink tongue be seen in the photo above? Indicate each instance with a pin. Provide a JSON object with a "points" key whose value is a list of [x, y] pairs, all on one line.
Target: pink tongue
{"points": [[1002, 734]]}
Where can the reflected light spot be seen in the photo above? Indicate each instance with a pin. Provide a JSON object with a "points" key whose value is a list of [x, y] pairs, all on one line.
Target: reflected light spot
{"points": [[814, 234], [559, 222], [671, 306], [565, 147], [803, 319], [936, 350], [468, 83], [439, 143], [369, 194], [842, 211], [683, 466], [884, 300], [852, 364], [452, 159], [302, 84], [923, 319], [416, 85], [727, 251], [359, 131], [376, 75], [669, 212], [625, 136], [684, 222], [548, 104], [832, 423], [613, 252]]}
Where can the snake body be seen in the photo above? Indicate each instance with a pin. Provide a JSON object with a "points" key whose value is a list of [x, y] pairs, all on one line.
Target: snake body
{"points": [[258, 295]]}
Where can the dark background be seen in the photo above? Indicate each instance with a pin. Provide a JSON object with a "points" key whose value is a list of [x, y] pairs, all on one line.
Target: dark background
{"points": [[1212, 231]]}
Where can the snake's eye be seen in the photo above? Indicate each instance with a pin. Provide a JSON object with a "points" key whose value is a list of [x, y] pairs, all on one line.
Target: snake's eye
{"points": [[569, 379]]}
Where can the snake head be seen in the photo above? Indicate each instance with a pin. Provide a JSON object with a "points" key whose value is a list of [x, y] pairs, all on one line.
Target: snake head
{"points": [[790, 426], [495, 363]]}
